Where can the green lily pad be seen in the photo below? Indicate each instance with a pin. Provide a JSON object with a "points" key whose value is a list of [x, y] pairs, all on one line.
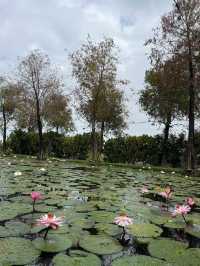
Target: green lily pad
{"points": [[158, 219], [143, 240], [61, 230], [86, 207], [102, 216], [172, 224], [191, 257], [4, 232], [75, 234], [37, 229], [17, 251], [108, 229], [83, 223], [100, 245], [11, 210], [193, 231], [139, 261], [167, 249], [17, 228], [76, 258], [144, 230], [53, 243]]}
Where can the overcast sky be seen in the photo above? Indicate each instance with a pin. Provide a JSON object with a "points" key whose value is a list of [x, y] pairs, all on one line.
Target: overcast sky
{"points": [[60, 26]]}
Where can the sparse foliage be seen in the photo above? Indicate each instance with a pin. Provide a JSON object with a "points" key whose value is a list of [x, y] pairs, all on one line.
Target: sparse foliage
{"points": [[94, 67], [37, 80]]}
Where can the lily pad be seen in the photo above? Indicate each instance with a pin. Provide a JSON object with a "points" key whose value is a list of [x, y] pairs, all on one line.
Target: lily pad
{"points": [[143, 240], [158, 219], [17, 228], [17, 251], [101, 245], [144, 230], [77, 258], [175, 224], [4, 232], [61, 230], [193, 231], [139, 261], [191, 257], [75, 234], [53, 243], [167, 249], [102, 216], [108, 229], [11, 210], [83, 223]]}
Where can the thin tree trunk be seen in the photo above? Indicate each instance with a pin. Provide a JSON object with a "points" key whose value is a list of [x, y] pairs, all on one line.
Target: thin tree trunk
{"points": [[93, 141], [102, 136], [4, 129], [190, 161], [40, 134], [164, 149], [57, 130]]}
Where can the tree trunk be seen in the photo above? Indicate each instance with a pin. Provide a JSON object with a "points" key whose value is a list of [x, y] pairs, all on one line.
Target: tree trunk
{"points": [[4, 129], [102, 137], [164, 148], [93, 141], [40, 134], [57, 129], [190, 160]]}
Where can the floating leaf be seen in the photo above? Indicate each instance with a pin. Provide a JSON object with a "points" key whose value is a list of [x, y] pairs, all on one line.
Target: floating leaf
{"points": [[167, 249], [100, 245], [139, 261], [193, 231], [175, 223], [102, 216], [144, 230], [108, 229], [77, 258], [17, 251], [53, 243], [191, 257], [17, 228]]}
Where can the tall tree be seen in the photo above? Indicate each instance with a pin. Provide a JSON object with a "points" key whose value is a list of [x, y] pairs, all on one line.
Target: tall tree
{"points": [[94, 67], [112, 113], [25, 115], [179, 35], [165, 97], [38, 79], [8, 101], [57, 112]]}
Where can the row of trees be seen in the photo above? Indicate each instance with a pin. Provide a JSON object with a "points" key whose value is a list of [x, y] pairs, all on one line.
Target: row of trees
{"points": [[172, 83], [36, 99], [138, 150]]}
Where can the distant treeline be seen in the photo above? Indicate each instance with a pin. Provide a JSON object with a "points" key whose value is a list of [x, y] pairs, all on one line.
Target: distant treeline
{"points": [[130, 149]]}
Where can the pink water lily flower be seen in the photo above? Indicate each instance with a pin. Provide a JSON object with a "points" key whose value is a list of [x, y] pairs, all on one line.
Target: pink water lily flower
{"points": [[36, 195], [144, 190], [167, 193], [50, 221], [123, 220], [181, 210], [190, 201]]}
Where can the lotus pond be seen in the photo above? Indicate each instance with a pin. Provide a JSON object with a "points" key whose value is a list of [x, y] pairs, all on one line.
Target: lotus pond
{"points": [[89, 198]]}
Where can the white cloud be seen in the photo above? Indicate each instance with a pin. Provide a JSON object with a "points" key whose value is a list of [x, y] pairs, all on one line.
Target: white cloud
{"points": [[60, 26]]}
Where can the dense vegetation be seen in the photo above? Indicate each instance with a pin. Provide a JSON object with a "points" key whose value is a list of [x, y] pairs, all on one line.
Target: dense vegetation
{"points": [[142, 149]]}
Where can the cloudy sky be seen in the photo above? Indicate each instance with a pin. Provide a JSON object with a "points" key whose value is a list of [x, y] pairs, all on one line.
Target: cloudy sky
{"points": [[60, 26]]}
